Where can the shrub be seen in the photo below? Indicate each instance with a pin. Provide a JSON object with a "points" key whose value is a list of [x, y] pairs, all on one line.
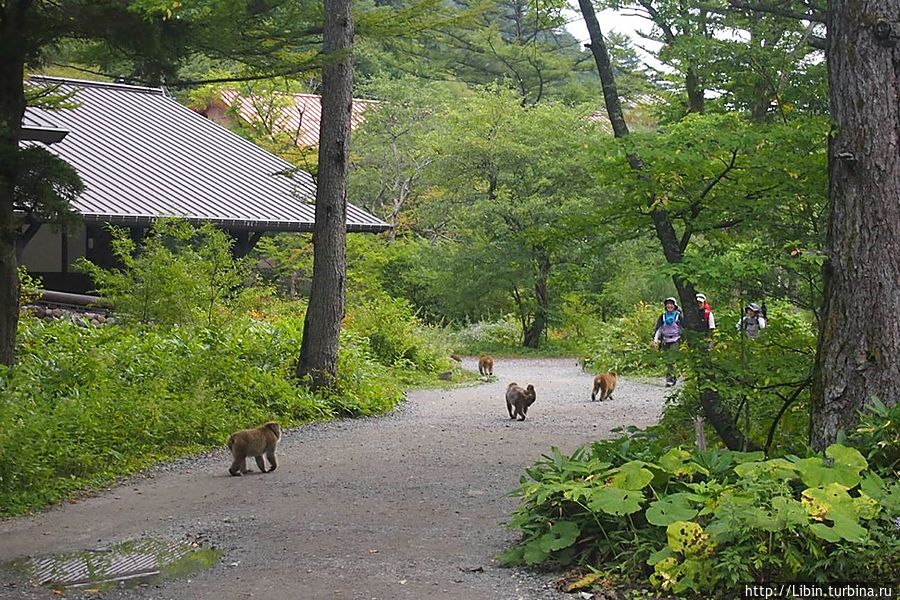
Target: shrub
{"points": [[86, 404], [623, 344], [504, 333], [701, 523]]}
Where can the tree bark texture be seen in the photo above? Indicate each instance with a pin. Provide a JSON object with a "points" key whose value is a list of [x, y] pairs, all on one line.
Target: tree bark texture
{"points": [[715, 410], [859, 341], [322, 327], [535, 332], [12, 109]]}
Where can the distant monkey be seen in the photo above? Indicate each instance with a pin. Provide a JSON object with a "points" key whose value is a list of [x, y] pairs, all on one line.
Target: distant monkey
{"points": [[456, 357], [606, 384], [486, 364], [518, 400], [254, 443]]}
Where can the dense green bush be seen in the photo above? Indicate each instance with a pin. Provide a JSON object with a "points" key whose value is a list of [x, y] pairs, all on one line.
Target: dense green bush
{"points": [[396, 336], [623, 344], [86, 404], [701, 523]]}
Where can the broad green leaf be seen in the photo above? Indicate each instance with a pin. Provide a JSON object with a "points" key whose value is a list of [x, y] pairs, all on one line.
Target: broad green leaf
{"points": [[777, 468], [562, 534], [631, 476], [787, 513], [843, 529], [534, 553], [687, 537], [873, 486], [672, 508], [847, 457], [833, 503], [615, 501], [678, 462]]}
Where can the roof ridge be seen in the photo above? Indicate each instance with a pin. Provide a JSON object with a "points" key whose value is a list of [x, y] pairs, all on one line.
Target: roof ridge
{"points": [[103, 84]]}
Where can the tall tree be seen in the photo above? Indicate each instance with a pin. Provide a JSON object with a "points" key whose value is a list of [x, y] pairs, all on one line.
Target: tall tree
{"points": [[859, 343], [673, 245], [322, 326]]}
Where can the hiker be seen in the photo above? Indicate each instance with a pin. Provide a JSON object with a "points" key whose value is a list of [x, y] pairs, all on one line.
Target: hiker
{"points": [[667, 337], [753, 321], [706, 314]]}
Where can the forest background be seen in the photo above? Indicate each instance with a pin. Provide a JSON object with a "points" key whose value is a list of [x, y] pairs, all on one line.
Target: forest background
{"points": [[520, 225]]}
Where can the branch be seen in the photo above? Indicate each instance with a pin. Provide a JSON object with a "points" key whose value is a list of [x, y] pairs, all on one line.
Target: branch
{"points": [[787, 402], [780, 9]]}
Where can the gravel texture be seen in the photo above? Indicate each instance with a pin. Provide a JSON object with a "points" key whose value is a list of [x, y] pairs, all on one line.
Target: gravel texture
{"points": [[409, 505]]}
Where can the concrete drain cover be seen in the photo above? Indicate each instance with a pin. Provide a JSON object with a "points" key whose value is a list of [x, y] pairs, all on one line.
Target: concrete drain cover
{"points": [[129, 563]]}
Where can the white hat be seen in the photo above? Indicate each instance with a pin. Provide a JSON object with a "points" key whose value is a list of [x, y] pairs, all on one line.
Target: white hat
{"points": [[701, 297]]}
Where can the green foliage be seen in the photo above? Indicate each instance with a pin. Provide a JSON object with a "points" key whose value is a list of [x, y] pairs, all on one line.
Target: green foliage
{"points": [[699, 523], [394, 333], [87, 404], [489, 336], [45, 187], [29, 287], [180, 275], [623, 343], [878, 435]]}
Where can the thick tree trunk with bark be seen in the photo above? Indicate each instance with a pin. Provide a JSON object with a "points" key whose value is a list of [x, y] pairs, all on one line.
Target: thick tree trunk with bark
{"points": [[535, 332], [12, 109], [322, 327], [859, 342]]}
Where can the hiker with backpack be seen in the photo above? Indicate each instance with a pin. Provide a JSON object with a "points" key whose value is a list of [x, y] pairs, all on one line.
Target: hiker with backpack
{"points": [[753, 321], [706, 314], [667, 336]]}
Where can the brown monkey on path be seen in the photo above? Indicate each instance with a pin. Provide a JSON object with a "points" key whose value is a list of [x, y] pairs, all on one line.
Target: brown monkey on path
{"points": [[606, 384], [518, 400], [254, 443], [486, 365]]}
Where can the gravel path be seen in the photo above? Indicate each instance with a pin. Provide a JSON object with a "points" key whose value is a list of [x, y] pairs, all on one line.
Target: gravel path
{"points": [[409, 505]]}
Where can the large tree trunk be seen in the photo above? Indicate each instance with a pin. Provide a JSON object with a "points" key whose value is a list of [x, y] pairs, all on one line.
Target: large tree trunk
{"points": [[859, 341], [710, 399], [12, 109], [322, 327], [535, 332]]}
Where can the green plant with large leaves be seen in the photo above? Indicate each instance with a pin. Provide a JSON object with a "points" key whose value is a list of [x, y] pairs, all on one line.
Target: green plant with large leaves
{"points": [[699, 523]]}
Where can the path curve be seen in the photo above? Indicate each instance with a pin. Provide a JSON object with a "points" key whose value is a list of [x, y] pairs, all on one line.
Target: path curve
{"points": [[408, 505]]}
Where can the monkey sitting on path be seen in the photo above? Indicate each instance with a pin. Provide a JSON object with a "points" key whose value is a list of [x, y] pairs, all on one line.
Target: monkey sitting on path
{"points": [[606, 384], [518, 400], [486, 365], [254, 443]]}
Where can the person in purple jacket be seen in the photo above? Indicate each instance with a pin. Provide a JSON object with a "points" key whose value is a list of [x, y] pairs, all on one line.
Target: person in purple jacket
{"points": [[667, 336]]}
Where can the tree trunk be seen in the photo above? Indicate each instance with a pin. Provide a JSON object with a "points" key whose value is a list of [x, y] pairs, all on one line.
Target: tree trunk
{"points": [[859, 338], [12, 109], [322, 327], [710, 399], [535, 332]]}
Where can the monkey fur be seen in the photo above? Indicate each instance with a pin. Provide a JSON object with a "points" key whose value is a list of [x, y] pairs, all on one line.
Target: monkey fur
{"points": [[605, 383], [254, 443], [486, 365], [518, 400]]}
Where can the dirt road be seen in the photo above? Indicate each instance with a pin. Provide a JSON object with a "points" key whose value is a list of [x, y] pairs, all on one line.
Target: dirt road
{"points": [[409, 505]]}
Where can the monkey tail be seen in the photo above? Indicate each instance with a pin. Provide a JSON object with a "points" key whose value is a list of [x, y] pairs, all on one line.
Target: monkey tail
{"points": [[230, 441]]}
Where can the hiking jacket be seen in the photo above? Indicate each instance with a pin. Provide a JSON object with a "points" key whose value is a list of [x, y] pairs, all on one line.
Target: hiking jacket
{"points": [[668, 332]]}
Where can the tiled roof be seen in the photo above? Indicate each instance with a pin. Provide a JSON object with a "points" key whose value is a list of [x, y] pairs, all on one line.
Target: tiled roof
{"points": [[142, 155], [300, 117]]}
